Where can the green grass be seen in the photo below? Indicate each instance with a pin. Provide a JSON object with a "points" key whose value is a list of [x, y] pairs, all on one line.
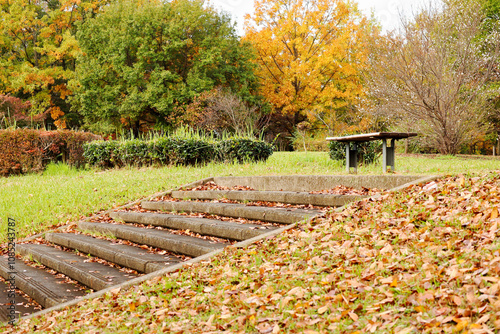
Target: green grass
{"points": [[62, 194]]}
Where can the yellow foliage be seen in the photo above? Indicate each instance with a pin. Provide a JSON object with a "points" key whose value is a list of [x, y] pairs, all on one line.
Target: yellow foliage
{"points": [[310, 53]]}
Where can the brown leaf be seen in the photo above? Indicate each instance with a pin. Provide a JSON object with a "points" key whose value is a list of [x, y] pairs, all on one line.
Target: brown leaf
{"points": [[457, 300], [353, 316], [323, 309]]}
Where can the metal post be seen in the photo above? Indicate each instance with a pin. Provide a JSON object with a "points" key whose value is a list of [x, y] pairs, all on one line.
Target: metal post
{"points": [[393, 149], [384, 155], [347, 157], [354, 153]]}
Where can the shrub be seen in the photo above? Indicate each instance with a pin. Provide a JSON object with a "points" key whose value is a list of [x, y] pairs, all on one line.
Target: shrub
{"points": [[187, 151], [243, 149], [368, 152], [65, 146], [134, 152], [25, 150], [174, 151], [102, 153], [162, 150], [20, 152]]}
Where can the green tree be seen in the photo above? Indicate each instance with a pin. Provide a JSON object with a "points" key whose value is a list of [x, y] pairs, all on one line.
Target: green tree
{"points": [[143, 62]]}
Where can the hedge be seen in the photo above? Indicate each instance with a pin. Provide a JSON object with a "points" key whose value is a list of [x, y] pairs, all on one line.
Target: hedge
{"points": [[174, 151], [25, 150], [243, 149]]}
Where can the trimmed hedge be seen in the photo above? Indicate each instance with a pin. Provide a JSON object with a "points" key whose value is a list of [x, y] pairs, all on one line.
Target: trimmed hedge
{"points": [[243, 149], [26, 150], [368, 152], [174, 151]]}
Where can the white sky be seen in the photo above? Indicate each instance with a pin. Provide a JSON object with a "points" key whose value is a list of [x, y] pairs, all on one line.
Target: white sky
{"points": [[386, 11]]}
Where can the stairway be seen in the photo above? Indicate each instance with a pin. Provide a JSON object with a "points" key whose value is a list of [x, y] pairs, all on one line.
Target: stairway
{"points": [[130, 242]]}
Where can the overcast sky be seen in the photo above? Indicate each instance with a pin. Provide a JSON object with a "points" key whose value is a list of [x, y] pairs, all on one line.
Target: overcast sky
{"points": [[386, 11]]}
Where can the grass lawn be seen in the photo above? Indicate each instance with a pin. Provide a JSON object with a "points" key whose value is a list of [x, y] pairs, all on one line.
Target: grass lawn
{"points": [[415, 261], [60, 195]]}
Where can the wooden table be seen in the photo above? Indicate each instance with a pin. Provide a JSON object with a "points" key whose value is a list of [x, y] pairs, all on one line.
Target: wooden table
{"points": [[388, 152]]}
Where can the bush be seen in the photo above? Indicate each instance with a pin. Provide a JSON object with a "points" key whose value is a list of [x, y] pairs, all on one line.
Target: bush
{"points": [[20, 152], [102, 153], [174, 151], [162, 150], [25, 150], [192, 151], [243, 149], [133, 152], [65, 146], [368, 152]]}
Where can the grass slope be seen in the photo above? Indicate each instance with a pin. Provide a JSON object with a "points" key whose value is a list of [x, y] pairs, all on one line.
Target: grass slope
{"points": [[423, 260], [61, 195]]}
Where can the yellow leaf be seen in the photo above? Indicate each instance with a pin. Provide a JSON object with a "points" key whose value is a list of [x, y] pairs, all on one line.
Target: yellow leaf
{"points": [[131, 306], [494, 213], [394, 283], [420, 308], [461, 326]]}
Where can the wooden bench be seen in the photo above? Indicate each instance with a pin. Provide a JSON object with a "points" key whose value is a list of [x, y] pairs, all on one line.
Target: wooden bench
{"points": [[387, 151]]}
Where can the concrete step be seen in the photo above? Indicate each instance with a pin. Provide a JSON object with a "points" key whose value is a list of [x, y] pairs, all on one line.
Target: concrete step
{"points": [[94, 275], [20, 308], [157, 238], [217, 228], [270, 214], [127, 256], [289, 197], [45, 288]]}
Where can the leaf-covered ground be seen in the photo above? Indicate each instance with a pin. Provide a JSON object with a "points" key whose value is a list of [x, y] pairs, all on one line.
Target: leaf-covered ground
{"points": [[423, 260]]}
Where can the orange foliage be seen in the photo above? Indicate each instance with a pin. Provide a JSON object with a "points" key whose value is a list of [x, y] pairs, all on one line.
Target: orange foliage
{"points": [[56, 113], [310, 53]]}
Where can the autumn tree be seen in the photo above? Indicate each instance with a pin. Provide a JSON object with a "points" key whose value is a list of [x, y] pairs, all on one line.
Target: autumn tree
{"points": [[310, 54], [143, 63], [38, 51], [14, 112], [222, 112], [433, 74]]}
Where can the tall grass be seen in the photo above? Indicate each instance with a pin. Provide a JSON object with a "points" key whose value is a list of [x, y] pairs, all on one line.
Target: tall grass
{"points": [[188, 132]]}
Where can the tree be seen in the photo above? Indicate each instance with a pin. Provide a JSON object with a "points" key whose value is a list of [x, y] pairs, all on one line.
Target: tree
{"points": [[143, 62], [310, 54], [221, 111], [14, 112], [433, 74], [38, 51]]}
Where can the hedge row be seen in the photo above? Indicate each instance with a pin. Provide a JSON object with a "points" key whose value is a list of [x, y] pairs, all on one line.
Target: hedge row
{"points": [[174, 151], [25, 150]]}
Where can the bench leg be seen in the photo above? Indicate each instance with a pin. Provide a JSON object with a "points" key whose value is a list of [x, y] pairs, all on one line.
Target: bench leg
{"points": [[351, 157], [388, 155], [348, 157]]}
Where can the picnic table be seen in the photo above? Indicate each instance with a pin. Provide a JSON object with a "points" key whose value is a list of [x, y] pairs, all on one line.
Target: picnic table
{"points": [[387, 151]]}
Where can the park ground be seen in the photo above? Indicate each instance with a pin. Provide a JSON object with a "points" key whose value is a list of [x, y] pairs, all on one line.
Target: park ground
{"points": [[425, 259]]}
